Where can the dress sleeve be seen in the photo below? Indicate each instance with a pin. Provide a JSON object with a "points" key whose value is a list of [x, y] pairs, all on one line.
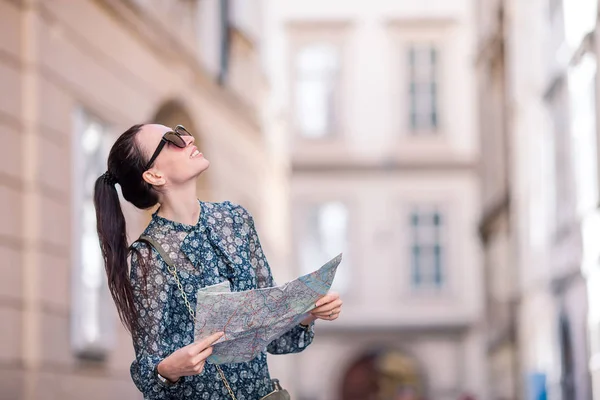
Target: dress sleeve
{"points": [[294, 341], [151, 300], [258, 260]]}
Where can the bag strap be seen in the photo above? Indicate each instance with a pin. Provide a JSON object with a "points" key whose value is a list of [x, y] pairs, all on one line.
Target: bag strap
{"points": [[173, 270], [160, 250]]}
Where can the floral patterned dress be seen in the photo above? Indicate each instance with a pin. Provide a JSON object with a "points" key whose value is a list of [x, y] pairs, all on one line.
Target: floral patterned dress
{"points": [[222, 246]]}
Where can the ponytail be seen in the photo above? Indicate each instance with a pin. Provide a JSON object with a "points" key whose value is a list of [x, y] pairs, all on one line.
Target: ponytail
{"points": [[126, 164], [112, 234]]}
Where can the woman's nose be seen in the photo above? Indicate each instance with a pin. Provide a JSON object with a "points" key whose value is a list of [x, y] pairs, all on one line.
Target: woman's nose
{"points": [[189, 140]]}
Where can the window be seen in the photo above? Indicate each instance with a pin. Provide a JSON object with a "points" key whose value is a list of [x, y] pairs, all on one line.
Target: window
{"points": [[423, 88], [427, 251], [92, 305], [324, 237], [316, 86]]}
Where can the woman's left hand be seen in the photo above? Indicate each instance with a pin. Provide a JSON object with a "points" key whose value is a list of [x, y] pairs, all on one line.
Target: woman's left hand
{"points": [[328, 308]]}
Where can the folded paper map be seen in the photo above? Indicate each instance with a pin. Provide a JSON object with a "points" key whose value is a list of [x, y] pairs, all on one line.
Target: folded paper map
{"points": [[252, 319]]}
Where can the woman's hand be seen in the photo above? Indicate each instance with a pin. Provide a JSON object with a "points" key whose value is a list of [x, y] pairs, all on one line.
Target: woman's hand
{"points": [[327, 308], [188, 360]]}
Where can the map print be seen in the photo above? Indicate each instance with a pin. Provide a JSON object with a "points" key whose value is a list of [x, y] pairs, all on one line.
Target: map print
{"points": [[254, 318]]}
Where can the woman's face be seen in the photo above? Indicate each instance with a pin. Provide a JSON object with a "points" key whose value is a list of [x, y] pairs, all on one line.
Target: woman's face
{"points": [[174, 165]]}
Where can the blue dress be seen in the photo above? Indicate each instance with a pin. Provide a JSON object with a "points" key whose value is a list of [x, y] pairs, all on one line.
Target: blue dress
{"points": [[222, 246]]}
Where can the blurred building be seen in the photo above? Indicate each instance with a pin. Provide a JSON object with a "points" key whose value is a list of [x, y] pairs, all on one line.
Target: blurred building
{"points": [[538, 111], [380, 97], [73, 75]]}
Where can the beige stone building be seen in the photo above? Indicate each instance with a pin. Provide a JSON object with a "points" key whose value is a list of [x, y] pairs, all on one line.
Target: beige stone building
{"points": [[496, 224], [537, 73], [73, 75], [379, 98]]}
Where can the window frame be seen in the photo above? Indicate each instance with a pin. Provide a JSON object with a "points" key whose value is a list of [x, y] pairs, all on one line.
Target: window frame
{"points": [[333, 81], [441, 34], [440, 242], [303, 209], [300, 35], [431, 113], [83, 344]]}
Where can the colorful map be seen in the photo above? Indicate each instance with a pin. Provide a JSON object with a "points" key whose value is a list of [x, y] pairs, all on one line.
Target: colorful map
{"points": [[252, 319]]}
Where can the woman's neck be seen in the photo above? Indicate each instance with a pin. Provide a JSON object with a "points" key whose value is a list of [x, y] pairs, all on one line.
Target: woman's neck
{"points": [[180, 207]]}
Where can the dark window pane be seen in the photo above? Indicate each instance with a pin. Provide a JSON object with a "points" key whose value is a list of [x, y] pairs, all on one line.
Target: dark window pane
{"points": [[414, 219], [434, 114], [413, 105], [412, 60], [438, 265], [437, 219], [427, 269], [416, 267]]}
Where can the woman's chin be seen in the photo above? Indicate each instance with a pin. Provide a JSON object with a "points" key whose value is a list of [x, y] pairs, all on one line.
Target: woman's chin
{"points": [[193, 170], [201, 167]]}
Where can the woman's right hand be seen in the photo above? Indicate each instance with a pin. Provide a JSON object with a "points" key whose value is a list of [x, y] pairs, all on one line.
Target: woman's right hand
{"points": [[188, 360]]}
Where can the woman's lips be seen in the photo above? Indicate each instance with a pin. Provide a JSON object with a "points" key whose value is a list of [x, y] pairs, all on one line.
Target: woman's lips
{"points": [[195, 153]]}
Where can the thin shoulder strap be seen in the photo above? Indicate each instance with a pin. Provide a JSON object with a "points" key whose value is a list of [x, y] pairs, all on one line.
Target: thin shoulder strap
{"points": [[172, 270], [158, 248]]}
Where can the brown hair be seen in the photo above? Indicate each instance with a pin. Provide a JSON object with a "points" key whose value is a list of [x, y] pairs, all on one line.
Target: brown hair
{"points": [[125, 166]]}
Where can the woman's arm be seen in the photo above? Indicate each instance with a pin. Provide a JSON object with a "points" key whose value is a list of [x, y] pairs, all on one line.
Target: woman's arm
{"points": [[151, 299]]}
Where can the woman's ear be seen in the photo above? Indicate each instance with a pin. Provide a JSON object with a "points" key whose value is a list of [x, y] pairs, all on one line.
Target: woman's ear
{"points": [[153, 177]]}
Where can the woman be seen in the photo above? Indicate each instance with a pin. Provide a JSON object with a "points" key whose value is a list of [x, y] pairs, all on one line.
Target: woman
{"points": [[208, 242]]}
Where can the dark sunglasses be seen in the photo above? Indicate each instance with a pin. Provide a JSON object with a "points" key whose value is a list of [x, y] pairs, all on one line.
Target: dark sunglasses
{"points": [[175, 137]]}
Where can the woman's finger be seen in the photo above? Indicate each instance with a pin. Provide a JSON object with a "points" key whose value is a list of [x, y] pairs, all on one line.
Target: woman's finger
{"points": [[328, 314], [333, 311], [328, 307], [330, 317], [207, 342], [199, 367], [328, 298], [202, 356]]}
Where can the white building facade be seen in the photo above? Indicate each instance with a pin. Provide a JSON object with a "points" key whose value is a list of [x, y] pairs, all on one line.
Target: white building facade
{"points": [[377, 101]]}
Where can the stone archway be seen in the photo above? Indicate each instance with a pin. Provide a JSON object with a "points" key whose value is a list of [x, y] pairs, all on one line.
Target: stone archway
{"points": [[173, 113], [360, 379], [383, 375]]}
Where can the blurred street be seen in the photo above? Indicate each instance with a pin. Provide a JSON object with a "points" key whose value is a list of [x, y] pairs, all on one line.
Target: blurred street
{"points": [[449, 148]]}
